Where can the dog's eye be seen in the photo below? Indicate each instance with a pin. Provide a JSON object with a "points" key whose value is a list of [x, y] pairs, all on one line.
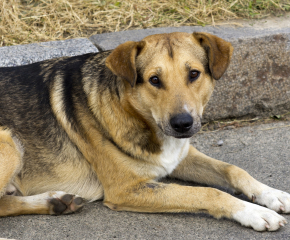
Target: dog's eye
{"points": [[154, 81], [193, 75]]}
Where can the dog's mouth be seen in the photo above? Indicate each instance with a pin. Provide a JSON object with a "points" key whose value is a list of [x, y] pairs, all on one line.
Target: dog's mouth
{"points": [[186, 131], [195, 129]]}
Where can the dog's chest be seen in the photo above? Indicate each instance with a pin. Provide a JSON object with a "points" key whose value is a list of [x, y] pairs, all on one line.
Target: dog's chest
{"points": [[173, 152]]}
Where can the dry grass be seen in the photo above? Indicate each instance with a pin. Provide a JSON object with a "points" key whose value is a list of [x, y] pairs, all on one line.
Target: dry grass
{"points": [[26, 21]]}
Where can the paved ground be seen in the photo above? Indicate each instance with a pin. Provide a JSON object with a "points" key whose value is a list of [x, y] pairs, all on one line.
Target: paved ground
{"points": [[263, 152]]}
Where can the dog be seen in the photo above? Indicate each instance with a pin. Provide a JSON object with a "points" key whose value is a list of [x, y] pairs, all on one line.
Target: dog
{"points": [[109, 125]]}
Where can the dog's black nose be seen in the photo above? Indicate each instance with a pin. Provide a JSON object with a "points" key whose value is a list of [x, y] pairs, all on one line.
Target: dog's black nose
{"points": [[182, 122]]}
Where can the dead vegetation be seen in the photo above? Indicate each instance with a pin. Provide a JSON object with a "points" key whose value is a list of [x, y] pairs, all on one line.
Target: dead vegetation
{"points": [[26, 21]]}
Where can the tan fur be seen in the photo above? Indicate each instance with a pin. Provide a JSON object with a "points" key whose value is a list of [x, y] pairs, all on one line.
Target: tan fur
{"points": [[124, 142], [11, 162]]}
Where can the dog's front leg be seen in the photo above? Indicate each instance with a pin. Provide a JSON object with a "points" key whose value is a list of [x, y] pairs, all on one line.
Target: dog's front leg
{"points": [[160, 197], [203, 169], [128, 186]]}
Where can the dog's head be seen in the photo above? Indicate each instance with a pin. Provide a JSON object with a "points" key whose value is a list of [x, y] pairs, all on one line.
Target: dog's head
{"points": [[169, 77]]}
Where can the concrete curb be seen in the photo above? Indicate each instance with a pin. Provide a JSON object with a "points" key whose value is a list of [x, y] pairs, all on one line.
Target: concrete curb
{"points": [[257, 82], [36, 52], [108, 41]]}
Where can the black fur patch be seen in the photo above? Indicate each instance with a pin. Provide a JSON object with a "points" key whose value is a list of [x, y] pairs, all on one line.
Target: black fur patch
{"points": [[152, 185], [206, 63], [120, 148], [170, 49], [140, 79]]}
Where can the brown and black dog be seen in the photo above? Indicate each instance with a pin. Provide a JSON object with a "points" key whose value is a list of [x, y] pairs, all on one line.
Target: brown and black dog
{"points": [[109, 125]]}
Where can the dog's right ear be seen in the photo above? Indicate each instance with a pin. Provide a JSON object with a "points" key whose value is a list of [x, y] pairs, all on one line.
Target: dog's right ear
{"points": [[122, 60]]}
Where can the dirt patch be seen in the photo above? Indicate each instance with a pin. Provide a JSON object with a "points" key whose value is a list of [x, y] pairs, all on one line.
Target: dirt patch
{"points": [[227, 124]]}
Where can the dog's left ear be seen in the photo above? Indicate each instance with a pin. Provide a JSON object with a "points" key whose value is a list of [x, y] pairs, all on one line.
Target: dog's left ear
{"points": [[219, 52], [122, 60]]}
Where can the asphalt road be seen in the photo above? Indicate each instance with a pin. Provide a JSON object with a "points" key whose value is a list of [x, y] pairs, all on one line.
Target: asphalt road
{"points": [[263, 152]]}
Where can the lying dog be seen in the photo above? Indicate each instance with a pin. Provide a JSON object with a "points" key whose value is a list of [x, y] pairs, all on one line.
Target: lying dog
{"points": [[109, 125]]}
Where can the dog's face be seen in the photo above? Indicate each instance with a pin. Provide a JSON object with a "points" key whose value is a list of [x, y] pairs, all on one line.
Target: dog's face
{"points": [[170, 77]]}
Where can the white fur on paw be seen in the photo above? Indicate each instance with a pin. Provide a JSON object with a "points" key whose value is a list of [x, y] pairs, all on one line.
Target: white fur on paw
{"points": [[259, 218], [274, 199]]}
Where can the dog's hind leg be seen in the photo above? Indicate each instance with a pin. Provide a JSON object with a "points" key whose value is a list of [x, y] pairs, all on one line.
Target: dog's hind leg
{"points": [[53, 203], [10, 160]]}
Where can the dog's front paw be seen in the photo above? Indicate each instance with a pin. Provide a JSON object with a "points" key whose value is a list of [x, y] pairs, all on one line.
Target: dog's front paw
{"points": [[259, 218], [274, 199]]}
